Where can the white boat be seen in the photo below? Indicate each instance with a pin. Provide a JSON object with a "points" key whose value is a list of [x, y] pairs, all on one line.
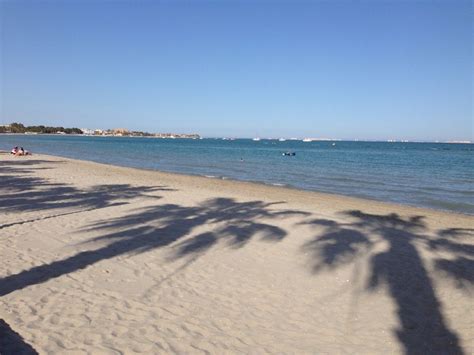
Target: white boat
{"points": [[307, 140], [256, 139], [282, 139]]}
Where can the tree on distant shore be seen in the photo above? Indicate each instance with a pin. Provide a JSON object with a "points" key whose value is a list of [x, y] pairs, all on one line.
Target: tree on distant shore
{"points": [[20, 128], [17, 128]]}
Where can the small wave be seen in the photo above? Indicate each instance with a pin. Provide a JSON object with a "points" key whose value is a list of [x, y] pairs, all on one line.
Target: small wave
{"points": [[279, 184], [216, 177]]}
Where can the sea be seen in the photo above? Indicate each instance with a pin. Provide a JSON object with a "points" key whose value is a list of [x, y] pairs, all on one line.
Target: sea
{"points": [[433, 175]]}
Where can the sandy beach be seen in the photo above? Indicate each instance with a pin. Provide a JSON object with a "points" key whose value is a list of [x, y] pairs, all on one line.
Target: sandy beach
{"points": [[103, 259]]}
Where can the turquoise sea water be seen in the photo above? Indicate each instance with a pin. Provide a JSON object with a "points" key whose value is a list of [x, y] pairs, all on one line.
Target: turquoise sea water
{"points": [[434, 175]]}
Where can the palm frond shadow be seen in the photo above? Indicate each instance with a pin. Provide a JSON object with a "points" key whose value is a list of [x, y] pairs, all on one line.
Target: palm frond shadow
{"points": [[22, 192], [158, 226], [235, 223], [401, 269]]}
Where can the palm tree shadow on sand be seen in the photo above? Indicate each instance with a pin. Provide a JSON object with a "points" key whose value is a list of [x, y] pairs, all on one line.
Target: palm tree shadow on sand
{"points": [[156, 227], [21, 192], [422, 327], [159, 226]]}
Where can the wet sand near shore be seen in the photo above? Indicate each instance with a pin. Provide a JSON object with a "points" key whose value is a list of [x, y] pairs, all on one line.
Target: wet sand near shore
{"points": [[104, 259]]}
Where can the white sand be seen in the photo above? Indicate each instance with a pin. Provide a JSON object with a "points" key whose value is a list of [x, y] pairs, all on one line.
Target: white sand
{"points": [[103, 259]]}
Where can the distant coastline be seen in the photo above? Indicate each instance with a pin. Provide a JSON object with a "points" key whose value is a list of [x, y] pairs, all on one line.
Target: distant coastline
{"points": [[197, 136], [19, 128]]}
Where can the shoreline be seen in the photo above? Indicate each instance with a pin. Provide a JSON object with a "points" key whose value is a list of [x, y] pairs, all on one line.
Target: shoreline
{"points": [[270, 185]]}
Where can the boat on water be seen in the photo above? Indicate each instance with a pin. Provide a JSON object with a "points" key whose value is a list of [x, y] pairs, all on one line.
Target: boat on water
{"points": [[282, 139], [256, 139], [289, 154], [307, 140]]}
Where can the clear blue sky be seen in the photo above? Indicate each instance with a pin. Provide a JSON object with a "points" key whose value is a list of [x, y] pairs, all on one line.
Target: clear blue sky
{"points": [[342, 69]]}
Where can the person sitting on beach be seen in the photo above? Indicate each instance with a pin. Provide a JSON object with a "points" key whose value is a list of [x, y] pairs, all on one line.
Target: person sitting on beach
{"points": [[14, 151], [21, 152]]}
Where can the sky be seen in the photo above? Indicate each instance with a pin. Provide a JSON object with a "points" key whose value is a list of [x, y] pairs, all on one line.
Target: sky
{"points": [[336, 69]]}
